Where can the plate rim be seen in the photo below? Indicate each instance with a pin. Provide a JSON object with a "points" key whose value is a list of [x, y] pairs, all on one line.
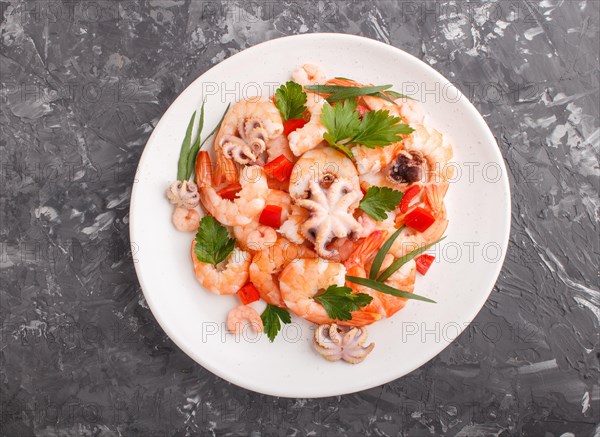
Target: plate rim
{"points": [[323, 391]]}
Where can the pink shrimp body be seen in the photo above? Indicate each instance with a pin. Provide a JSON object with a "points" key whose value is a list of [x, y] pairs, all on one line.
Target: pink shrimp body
{"points": [[301, 280], [241, 316], [226, 279]]}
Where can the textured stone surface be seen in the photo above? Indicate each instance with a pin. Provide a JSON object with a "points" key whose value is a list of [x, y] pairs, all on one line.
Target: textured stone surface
{"points": [[84, 83]]}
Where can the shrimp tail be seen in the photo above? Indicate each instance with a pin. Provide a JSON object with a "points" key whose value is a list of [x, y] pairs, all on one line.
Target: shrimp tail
{"points": [[361, 318], [434, 196], [204, 172], [226, 170], [366, 249]]}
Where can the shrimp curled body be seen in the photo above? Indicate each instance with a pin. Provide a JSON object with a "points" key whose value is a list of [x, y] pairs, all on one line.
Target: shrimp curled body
{"points": [[311, 134], [186, 220], [300, 282], [249, 203], [247, 128], [242, 315], [223, 280]]}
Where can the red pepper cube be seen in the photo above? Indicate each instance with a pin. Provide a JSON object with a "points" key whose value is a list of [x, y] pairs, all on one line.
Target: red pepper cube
{"points": [[230, 191], [419, 219], [248, 293], [408, 196], [423, 263], [271, 216], [293, 124], [280, 168]]}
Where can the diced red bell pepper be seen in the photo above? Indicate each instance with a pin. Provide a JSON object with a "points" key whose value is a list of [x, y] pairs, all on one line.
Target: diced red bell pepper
{"points": [[362, 110], [293, 124], [230, 191], [409, 195], [271, 216], [419, 219], [248, 293], [280, 168], [424, 262]]}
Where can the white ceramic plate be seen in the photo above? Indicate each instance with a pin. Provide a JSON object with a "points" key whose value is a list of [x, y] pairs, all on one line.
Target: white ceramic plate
{"points": [[478, 205]]}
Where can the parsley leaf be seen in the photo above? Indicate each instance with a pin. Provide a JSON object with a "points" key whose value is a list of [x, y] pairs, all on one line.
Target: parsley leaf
{"points": [[379, 200], [340, 301], [379, 128], [342, 122], [271, 317], [213, 243], [290, 100], [344, 127]]}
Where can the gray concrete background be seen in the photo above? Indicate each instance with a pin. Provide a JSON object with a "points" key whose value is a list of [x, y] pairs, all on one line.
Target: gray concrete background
{"points": [[83, 85]]}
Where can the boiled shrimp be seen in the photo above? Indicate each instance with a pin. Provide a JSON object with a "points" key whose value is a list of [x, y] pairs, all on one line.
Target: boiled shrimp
{"points": [[410, 239], [430, 146], [226, 278], [249, 203], [402, 279], [278, 146], [300, 282], [290, 228], [241, 316], [424, 158], [246, 128], [372, 160], [309, 74], [186, 220], [311, 134], [269, 262], [255, 236], [385, 304]]}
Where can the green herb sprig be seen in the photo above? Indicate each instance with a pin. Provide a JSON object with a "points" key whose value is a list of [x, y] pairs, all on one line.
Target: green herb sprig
{"points": [[344, 127], [378, 284], [340, 301], [272, 317], [379, 201], [213, 244], [187, 154], [290, 99], [341, 92]]}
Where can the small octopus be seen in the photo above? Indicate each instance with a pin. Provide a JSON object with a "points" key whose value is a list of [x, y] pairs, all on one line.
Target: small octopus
{"points": [[346, 343], [183, 194], [330, 214]]}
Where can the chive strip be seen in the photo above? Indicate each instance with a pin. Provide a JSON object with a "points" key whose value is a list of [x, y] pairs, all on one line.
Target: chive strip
{"points": [[403, 260], [346, 92], [326, 89], [352, 92], [384, 288], [217, 127], [195, 155], [384, 97], [196, 146], [385, 248], [396, 95], [185, 150]]}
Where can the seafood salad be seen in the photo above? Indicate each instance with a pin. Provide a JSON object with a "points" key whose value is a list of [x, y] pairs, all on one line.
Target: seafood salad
{"points": [[317, 202]]}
